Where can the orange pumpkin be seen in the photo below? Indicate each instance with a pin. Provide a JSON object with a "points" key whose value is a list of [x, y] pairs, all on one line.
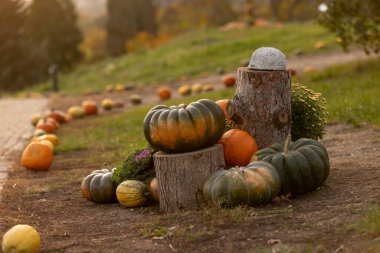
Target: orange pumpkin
{"points": [[164, 92], [53, 122], [37, 156], [153, 187], [46, 125], [229, 80], [59, 116], [223, 105], [238, 147], [47, 143], [90, 107]]}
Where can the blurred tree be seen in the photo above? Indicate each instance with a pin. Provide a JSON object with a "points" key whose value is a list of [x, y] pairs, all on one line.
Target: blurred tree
{"points": [[93, 45], [21, 64], [216, 12], [354, 22], [126, 18], [180, 17], [249, 12], [275, 7], [52, 24], [287, 10]]}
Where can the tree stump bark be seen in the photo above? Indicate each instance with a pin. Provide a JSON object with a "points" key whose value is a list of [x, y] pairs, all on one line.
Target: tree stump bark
{"points": [[262, 104], [181, 176]]}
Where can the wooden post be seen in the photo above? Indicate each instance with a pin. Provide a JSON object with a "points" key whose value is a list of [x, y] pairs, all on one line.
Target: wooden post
{"points": [[181, 176], [262, 102], [53, 71]]}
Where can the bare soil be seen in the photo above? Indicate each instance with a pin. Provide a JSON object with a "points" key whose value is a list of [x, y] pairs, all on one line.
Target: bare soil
{"points": [[319, 220]]}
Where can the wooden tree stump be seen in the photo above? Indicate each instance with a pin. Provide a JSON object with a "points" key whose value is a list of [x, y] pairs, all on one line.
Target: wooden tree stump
{"points": [[262, 104], [181, 176]]}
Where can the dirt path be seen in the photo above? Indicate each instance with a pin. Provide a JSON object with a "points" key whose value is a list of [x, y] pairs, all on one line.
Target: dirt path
{"points": [[326, 60], [319, 221]]}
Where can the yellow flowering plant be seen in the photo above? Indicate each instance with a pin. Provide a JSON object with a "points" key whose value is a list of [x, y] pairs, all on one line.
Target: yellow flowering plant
{"points": [[308, 113]]}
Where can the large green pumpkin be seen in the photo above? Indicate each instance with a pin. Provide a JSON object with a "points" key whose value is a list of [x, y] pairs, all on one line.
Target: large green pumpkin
{"points": [[99, 187], [303, 165], [257, 183], [184, 128]]}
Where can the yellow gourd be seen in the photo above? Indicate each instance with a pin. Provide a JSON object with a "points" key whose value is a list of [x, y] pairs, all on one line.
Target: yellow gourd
{"points": [[21, 238], [49, 137]]}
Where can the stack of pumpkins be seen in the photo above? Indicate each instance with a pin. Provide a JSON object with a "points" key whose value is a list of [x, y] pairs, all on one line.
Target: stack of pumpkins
{"points": [[172, 129], [254, 176], [258, 176], [38, 154]]}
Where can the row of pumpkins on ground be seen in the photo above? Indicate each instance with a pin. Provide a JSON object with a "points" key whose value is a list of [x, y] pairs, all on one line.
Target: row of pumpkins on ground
{"points": [[165, 92], [255, 176], [44, 141], [38, 154]]}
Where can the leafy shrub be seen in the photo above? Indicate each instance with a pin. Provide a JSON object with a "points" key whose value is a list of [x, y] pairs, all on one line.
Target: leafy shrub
{"points": [[308, 113], [137, 166], [354, 22]]}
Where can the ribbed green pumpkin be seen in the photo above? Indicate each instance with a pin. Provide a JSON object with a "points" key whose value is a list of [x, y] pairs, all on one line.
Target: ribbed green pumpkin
{"points": [[257, 183], [184, 128], [303, 165], [132, 193], [99, 187]]}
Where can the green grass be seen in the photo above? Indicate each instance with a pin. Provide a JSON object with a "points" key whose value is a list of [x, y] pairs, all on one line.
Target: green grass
{"points": [[352, 91], [370, 223], [191, 54], [368, 228]]}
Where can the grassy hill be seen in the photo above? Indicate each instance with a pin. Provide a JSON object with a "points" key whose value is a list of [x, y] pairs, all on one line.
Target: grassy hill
{"points": [[192, 54]]}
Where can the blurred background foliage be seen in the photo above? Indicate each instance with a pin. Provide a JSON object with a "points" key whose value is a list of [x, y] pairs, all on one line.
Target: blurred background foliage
{"points": [[35, 34]]}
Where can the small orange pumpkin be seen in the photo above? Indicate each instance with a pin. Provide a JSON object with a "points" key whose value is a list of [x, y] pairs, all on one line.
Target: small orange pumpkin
{"points": [[59, 116], [153, 187], [238, 147], [37, 156], [90, 107], [164, 92], [223, 105], [229, 80], [53, 122], [47, 126]]}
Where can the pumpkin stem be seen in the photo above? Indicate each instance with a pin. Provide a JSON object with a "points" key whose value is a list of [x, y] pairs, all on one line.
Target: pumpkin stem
{"points": [[287, 143]]}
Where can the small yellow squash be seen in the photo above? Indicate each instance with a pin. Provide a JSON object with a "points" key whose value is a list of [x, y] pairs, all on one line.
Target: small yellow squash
{"points": [[132, 193], [21, 238]]}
